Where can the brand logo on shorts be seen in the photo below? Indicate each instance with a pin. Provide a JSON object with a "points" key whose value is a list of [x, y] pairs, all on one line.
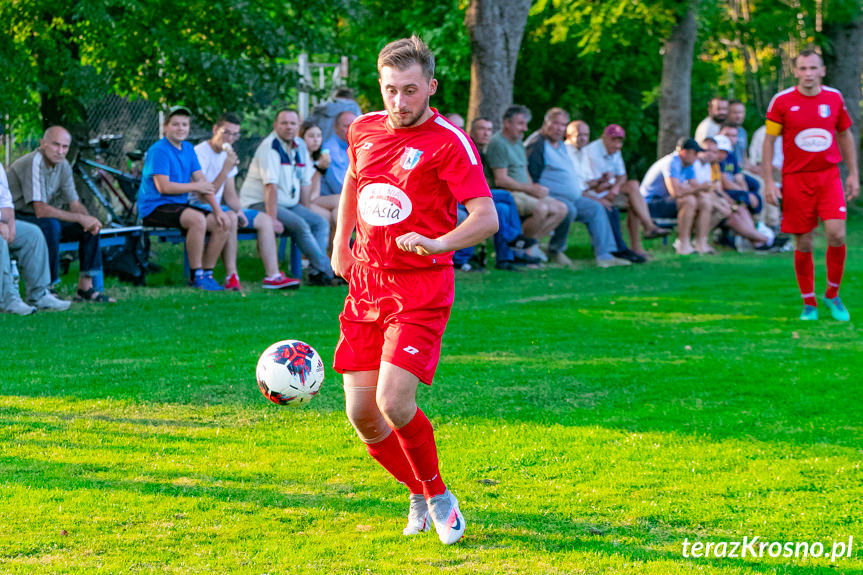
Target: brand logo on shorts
{"points": [[824, 110], [410, 158], [411, 350], [383, 205], [814, 140], [795, 108], [842, 209], [366, 146]]}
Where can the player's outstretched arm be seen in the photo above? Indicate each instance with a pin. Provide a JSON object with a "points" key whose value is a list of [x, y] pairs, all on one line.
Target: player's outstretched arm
{"points": [[849, 154], [480, 223], [343, 259]]}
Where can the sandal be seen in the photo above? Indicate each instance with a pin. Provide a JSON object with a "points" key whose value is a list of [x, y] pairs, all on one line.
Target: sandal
{"points": [[92, 295]]}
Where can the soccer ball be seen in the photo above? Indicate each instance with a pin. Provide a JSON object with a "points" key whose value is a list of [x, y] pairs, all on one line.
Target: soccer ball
{"points": [[290, 372]]}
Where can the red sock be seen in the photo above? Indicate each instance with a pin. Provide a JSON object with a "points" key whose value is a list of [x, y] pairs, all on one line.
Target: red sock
{"points": [[417, 440], [804, 267], [390, 455], [835, 269]]}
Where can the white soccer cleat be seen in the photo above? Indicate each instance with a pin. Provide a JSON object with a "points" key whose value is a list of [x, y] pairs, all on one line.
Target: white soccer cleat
{"points": [[418, 516], [448, 520]]}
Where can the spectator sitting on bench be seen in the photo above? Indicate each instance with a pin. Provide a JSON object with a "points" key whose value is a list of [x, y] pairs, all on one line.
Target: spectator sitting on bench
{"points": [[279, 182], [734, 183], [171, 171], [219, 165], [327, 203], [26, 243], [717, 114], [43, 192], [507, 161], [725, 210], [549, 164], [606, 162], [670, 192]]}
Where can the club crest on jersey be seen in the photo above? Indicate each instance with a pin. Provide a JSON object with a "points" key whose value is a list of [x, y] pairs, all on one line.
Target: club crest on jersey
{"points": [[383, 205], [410, 158], [824, 110]]}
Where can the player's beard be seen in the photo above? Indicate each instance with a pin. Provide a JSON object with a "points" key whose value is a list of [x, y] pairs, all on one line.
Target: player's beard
{"points": [[406, 122]]}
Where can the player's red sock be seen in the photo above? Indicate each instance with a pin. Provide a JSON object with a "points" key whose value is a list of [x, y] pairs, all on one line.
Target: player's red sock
{"points": [[835, 269], [804, 267], [390, 455], [417, 440]]}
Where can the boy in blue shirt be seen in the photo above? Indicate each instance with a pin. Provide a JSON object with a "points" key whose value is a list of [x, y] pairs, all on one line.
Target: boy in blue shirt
{"points": [[171, 171]]}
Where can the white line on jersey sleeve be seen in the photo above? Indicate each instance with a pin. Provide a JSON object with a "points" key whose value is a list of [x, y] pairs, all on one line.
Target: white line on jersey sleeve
{"points": [[440, 121]]}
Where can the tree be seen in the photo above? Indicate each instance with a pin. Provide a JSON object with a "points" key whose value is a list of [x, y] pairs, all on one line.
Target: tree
{"points": [[675, 101], [495, 28]]}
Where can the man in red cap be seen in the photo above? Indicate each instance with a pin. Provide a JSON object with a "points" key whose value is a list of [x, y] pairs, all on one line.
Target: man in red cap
{"points": [[615, 190]]}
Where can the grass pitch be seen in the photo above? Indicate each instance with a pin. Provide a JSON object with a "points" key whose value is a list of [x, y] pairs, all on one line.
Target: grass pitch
{"points": [[589, 421]]}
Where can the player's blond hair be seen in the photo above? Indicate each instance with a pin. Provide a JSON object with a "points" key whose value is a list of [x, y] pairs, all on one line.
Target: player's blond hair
{"points": [[404, 53]]}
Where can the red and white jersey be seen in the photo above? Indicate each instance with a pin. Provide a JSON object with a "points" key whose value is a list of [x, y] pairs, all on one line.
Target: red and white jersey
{"points": [[809, 128], [409, 180]]}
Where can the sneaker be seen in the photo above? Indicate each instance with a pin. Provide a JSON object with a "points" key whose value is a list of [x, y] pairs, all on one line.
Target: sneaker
{"points": [[522, 257], [536, 252], [18, 307], [838, 309], [51, 302], [560, 259], [448, 520], [810, 313], [320, 279], [522, 243], [206, 283], [281, 281], [612, 262], [507, 266], [418, 516], [232, 282], [628, 254]]}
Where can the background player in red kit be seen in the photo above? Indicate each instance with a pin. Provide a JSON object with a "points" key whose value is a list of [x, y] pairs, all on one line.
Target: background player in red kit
{"points": [[815, 126], [409, 167]]}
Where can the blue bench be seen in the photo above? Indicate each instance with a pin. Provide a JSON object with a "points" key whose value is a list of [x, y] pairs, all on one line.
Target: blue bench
{"points": [[175, 236], [117, 237]]}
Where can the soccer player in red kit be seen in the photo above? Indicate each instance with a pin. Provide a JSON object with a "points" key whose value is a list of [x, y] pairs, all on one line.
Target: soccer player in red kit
{"points": [[409, 166], [815, 128]]}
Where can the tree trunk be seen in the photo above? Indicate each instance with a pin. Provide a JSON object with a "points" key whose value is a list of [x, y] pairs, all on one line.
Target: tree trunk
{"points": [[675, 101], [843, 56], [495, 28]]}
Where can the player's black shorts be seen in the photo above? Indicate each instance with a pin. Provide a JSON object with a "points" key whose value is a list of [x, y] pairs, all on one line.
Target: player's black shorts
{"points": [[168, 215]]}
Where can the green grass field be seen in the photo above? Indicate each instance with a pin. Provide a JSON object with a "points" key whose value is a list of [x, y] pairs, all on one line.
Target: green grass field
{"points": [[589, 421]]}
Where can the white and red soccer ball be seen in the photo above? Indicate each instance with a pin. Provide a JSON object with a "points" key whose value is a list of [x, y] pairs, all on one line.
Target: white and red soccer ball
{"points": [[290, 372]]}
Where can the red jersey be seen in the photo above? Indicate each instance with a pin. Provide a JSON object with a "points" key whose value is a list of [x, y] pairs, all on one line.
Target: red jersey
{"points": [[409, 180], [809, 128]]}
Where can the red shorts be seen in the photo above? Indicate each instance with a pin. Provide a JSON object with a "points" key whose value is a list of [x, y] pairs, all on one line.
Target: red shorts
{"points": [[810, 196], [394, 316]]}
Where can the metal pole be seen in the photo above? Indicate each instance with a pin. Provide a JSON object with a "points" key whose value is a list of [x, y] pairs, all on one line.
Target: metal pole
{"points": [[303, 83]]}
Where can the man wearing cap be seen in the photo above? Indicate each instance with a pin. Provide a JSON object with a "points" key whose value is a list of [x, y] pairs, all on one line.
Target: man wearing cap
{"points": [[670, 192], [606, 163], [171, 172], [43, 191]]}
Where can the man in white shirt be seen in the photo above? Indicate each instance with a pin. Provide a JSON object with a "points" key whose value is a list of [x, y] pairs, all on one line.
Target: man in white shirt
{"points": [[606, 163], [717, 113], [26, 243], [219, 166], [278, 183]]}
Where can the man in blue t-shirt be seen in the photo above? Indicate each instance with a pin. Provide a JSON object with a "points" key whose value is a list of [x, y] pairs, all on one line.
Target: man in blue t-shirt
{"points": [[171, 171], [671, 192], [735, 183]]}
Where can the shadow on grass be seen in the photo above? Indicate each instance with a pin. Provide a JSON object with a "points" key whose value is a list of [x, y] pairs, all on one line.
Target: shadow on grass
{"points": [[488, 530]]}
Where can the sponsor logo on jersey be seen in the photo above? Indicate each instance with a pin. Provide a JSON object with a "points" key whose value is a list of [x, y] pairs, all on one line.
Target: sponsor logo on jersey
{"points": [[824, 110], [383, 205], [814, 140], [410, 158]]}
